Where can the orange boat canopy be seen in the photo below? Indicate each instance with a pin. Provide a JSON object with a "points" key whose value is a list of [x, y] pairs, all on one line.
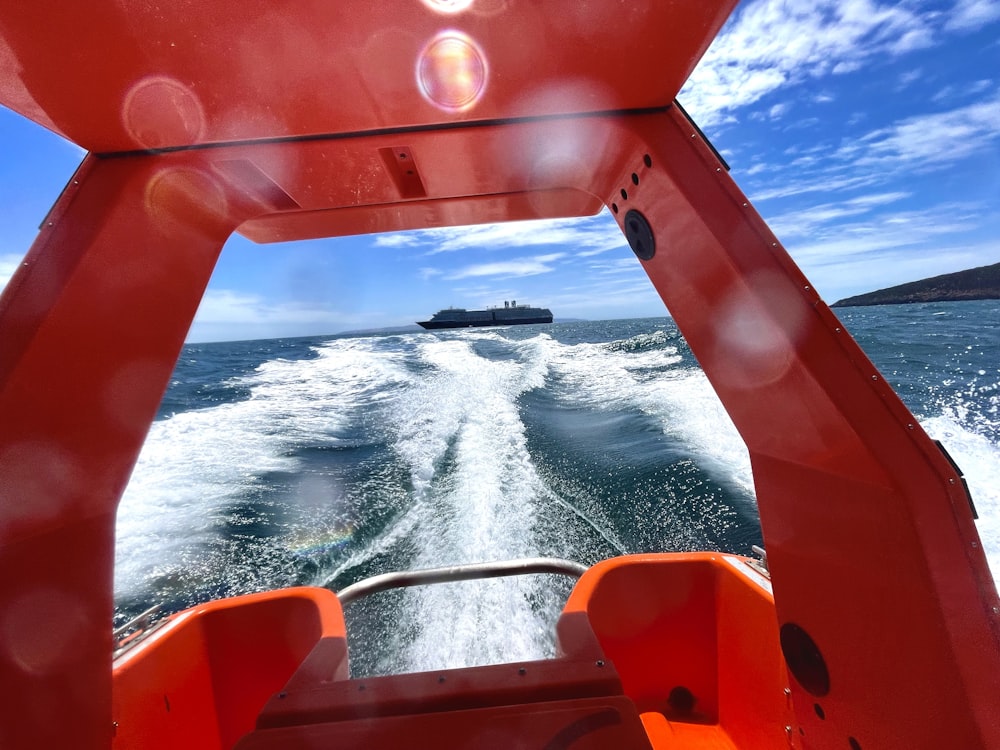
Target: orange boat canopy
{"points": [[323, 118]]}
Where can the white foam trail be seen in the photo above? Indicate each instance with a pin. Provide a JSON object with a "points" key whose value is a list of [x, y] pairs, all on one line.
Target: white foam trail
{"points": [[196, 463], [689, 409], [979, 459], [190, 466], [680, 399], [460, 431]]}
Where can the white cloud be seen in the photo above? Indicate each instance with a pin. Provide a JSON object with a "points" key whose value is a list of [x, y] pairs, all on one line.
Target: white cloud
{"points": [[886, 234], [971, 89], [913, 40], [918, 144], [225, 305], [816, 184], [227, 315], [771, 44], [397, 239], [8, 264], [774, 113], [933, 139], [628, 265], [509, 268], [586, 237], [969, 15], [846, 66], [910, 76], [806, 223], [865, 272], [779, 110], [592, 233]]}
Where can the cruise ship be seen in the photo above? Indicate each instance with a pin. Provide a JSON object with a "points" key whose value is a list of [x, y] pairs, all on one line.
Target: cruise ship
{"points": [[511, 314]]}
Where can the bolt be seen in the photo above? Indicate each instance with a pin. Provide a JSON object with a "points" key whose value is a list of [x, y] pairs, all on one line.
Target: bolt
{"points": [[522, 670], [600, 662]]}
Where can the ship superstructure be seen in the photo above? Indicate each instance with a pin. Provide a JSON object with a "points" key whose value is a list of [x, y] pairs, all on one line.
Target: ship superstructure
{"points": [[511, 314]]}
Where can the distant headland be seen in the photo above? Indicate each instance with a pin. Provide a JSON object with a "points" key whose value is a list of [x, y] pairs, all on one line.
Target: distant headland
{"points": [[976, 283]]}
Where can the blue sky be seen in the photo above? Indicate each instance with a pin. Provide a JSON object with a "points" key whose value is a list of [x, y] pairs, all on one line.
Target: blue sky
{"points": [[867, 134]]}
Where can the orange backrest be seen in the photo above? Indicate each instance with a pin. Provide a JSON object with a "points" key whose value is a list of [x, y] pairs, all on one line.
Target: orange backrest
{"points": [[694, 637], [201, 679]]}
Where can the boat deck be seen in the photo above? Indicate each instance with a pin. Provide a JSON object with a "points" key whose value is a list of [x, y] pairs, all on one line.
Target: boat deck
{"points": [[698, 668]]}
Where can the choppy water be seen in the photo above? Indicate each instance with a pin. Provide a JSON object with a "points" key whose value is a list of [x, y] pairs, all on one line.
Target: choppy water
{"points": [[325, 460]]}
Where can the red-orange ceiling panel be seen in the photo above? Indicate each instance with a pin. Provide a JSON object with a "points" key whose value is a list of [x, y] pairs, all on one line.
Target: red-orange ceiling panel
{"points": [[462, 211], [121, 75]]}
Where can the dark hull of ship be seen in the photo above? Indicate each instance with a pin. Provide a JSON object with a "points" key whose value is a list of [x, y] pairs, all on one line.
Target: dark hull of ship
{"points": [[432, 325]]}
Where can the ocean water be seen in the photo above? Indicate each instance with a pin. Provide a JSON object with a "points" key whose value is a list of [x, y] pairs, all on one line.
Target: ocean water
{"points": [[325, 460]]}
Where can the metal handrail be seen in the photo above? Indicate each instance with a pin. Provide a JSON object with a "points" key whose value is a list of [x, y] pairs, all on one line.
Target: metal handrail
{"points": [[139, 622], [499, 569], [135, 630]]}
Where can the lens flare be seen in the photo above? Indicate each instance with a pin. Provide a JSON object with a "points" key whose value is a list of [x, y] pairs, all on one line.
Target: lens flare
{"points": [[182, 199], [452, 72], [448, 7], [160, 111]]}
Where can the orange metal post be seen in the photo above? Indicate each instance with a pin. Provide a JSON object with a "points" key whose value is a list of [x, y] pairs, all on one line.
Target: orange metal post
{"points": [[888, 613], [93, 322]]}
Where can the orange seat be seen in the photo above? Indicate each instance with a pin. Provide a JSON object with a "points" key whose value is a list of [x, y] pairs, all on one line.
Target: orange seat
{"points": [[694, 637], [207, 671], [576, 699]]}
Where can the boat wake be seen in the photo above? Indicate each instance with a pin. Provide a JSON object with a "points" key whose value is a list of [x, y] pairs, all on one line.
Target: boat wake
{"points": [[979, 459], [424, 450]]}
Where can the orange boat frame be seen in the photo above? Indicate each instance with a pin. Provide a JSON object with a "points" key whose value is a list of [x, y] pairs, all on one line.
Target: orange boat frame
{"points": [[329, 119]]}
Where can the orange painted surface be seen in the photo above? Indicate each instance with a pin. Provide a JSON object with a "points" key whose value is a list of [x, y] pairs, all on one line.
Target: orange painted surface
{"points": [[92, 323], [684, 645], [582, 724], [667, 735], [201, 679], [441, 691], [151, 76], [871, 543], [694, 637]]}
